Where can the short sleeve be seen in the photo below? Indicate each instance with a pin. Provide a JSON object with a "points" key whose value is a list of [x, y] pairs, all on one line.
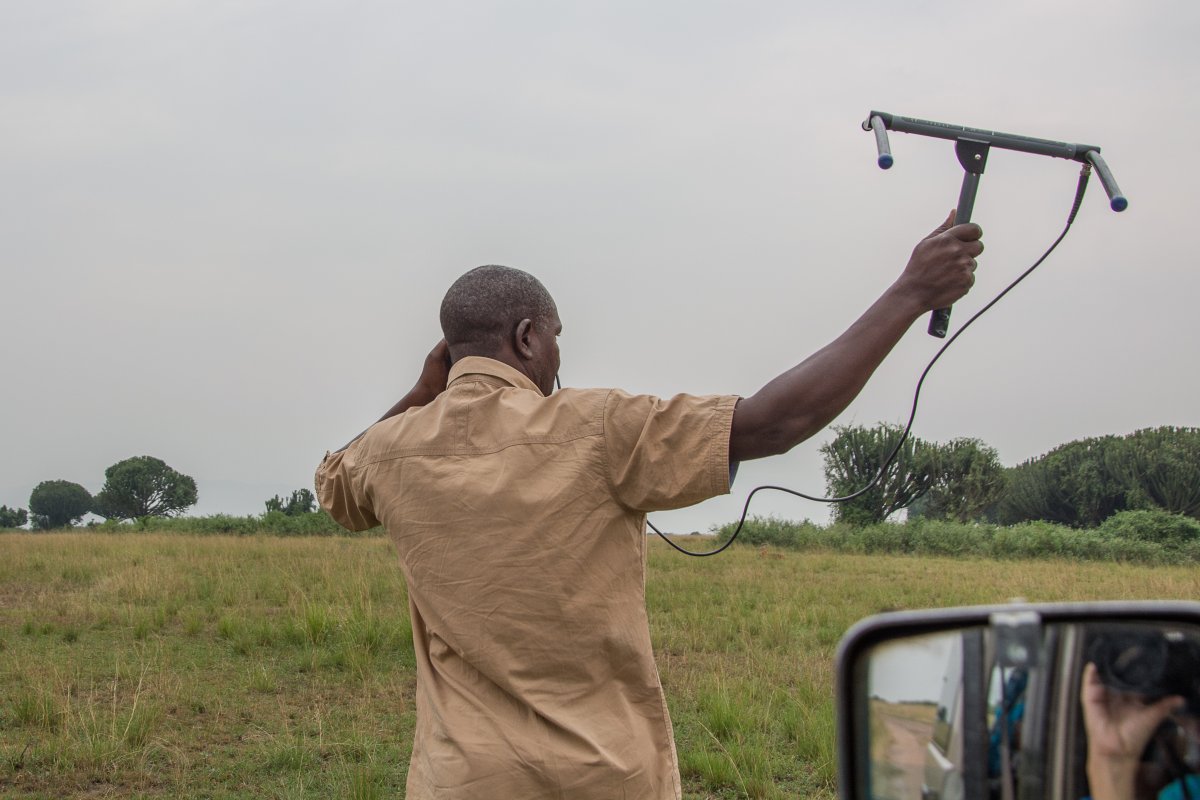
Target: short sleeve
{"points": [[663, 454], [341, 494]]}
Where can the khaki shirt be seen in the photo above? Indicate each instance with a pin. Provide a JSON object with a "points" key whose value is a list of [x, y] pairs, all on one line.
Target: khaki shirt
{"points": [[520, 525]]}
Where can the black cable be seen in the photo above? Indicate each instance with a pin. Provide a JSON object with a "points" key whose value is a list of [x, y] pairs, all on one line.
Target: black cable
{"points": [[1084, 174]]}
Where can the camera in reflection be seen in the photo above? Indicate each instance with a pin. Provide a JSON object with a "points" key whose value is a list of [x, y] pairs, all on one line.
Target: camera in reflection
{"points": [[1148, 662]]}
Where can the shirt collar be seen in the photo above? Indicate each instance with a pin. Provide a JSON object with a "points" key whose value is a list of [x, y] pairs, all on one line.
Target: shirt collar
{"points": [[489, 367]]}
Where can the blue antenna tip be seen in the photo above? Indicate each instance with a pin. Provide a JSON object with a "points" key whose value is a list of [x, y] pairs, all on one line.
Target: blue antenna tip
{"points": [[1119, 203], [886, 161]]}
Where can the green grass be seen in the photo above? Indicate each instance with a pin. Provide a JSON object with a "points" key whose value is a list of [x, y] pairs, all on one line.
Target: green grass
{"points": [[155, 665]]}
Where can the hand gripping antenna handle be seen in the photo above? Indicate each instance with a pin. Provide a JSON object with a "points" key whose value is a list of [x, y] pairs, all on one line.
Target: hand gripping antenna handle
{"points": [[939, 318], [972, 155]]}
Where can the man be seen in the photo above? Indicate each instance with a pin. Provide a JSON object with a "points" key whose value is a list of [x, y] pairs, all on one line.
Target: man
{"points": [[519, 516]]}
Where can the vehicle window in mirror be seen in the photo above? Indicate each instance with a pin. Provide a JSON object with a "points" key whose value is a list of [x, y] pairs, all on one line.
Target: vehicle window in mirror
{"points": [[914, 690]]}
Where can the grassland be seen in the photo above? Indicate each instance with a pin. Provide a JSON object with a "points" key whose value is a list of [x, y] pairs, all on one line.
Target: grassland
{"points": [[167, 665]]}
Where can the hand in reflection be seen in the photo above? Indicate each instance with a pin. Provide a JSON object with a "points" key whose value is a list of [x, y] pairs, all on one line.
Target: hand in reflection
{"points": [[1119, 726]]}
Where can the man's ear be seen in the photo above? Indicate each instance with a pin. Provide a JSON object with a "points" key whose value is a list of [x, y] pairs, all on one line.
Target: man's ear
{"points": [[522, 340]]}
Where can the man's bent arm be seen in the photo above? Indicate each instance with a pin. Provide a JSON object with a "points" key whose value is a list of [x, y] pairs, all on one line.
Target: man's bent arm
{"points": [[333, 481], [806, 398]]}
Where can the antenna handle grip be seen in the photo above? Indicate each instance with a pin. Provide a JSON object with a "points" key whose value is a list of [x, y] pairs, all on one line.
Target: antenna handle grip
{"points": [[939, 319], [1116, 200], [939, 322]]}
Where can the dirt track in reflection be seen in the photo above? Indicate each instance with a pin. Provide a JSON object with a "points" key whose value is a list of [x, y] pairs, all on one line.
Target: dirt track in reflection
{"points": [[900, 734]]}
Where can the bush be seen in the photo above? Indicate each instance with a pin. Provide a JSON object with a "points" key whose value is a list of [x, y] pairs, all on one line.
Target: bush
{"points": [[13, 517], [948, 538], [302, 501], [1039, 539], [272, 523], [770, 531], [1160, 527], [220, 524], [312, 523], [1028, 540]]}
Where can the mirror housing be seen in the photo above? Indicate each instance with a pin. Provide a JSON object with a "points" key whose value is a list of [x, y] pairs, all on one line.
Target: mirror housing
{"points": [[970, 653]]}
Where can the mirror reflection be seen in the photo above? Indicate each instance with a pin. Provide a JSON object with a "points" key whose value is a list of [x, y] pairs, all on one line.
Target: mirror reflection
{"points": [[1021, 711]]}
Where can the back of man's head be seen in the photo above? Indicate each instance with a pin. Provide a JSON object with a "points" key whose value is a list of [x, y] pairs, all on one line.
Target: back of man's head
{"points": [[483, 307]]}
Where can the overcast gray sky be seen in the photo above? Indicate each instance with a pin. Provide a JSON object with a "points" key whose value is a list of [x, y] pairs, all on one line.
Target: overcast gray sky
{"points": [[226, 226]]}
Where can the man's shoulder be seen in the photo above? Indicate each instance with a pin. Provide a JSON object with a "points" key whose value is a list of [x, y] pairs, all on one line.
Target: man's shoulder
{"points": [[639, 414], [681, 402]]}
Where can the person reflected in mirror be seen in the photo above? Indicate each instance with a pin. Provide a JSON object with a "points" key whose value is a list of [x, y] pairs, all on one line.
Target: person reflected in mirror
{"points": [[1004, 739], [1119, 726]]}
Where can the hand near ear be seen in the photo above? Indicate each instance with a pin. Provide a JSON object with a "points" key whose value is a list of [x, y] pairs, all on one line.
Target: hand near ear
{"points": [[434, 374], [436, 370]]}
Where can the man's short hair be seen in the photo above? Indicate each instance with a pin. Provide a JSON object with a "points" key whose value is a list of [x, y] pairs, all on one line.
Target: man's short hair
{"points": [[484, 306]]}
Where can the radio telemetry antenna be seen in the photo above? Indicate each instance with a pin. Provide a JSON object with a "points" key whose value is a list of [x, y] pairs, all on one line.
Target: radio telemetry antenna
{"points": [[971, 145]]}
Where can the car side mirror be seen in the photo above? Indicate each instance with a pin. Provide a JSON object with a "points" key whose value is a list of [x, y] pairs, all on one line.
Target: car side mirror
{"points": [[984, 702]]}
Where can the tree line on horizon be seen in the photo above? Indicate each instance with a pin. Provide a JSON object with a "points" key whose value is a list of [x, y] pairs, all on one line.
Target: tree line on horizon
{"points": [[1079, 484], [138, 487]]}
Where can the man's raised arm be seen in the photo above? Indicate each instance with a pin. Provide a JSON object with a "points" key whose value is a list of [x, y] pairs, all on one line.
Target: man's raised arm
{"points": [[806, 398]]}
